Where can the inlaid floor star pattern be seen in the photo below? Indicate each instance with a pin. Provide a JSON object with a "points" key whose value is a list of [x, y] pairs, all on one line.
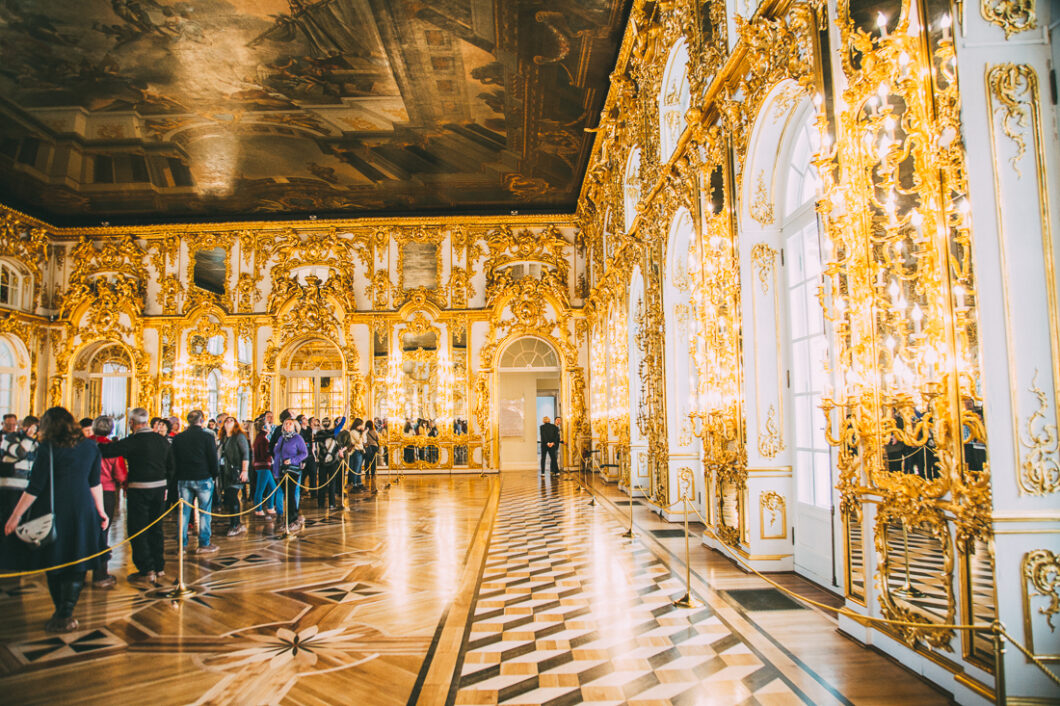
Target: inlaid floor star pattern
{"points": [[534, 594]]}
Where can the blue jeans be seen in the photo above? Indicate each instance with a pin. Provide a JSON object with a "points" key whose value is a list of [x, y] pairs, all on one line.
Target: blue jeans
{"points": [[356, 462], [190, 490], [265, 484]]}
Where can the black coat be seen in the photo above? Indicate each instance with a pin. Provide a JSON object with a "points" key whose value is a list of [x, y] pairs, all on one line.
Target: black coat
{"points": [[549, 433], [195, 454], [148, 455]]}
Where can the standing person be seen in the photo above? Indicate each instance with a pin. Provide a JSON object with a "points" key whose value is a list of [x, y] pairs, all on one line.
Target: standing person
{"points": [[174, 426], [113, 476], [86, 427], [234, 460], [195, 456], [149, 460], [549, 444], [371, 449], [309, 473], [356, 452], [328, 459], [287, 458], [266, 483], [74, 461], [277, 431], [18, 450], [558, 423]]}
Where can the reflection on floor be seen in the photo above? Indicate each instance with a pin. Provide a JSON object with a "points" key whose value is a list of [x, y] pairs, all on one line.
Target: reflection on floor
{"points": [[552, 604]]}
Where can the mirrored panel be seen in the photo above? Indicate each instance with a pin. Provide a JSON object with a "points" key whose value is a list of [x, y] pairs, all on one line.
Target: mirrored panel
{"points": [[855, 554], [978, 600], [915, 568]]}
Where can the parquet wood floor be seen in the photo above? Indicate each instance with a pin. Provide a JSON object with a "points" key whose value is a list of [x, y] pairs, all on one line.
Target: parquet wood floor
{"points": [[458, 590]]}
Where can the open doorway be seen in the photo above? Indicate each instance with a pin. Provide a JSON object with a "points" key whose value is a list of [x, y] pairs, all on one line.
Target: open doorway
{"points": [[529, 389]]}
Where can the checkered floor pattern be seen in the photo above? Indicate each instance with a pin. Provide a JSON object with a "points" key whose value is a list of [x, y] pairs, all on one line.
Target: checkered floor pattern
{"points": [[569, 612]]}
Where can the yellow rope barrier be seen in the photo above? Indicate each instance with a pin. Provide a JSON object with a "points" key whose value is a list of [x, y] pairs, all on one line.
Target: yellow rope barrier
{"points": [[325, 483], [97, 554], [224, 515], [1027, 653]]}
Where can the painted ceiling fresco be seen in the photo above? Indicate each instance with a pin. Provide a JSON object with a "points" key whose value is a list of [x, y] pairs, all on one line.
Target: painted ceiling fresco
{"points": [[156, 110]]}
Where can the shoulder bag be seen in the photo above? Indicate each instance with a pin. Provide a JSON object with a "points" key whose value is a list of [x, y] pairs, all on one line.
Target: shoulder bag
{"points": [[40, 532]]}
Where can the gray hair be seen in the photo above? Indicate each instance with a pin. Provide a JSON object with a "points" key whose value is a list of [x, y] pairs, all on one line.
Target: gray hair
{"points": [[138, 415], [195, 416], [103, 425]]}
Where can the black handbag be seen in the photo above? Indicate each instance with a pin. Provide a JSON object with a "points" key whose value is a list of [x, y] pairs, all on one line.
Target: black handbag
{"points": [[40, 531]]}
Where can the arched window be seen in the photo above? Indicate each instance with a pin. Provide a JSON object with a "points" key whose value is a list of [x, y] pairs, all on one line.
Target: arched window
{"points": [[674, 99], [10, 285], [529, 353], [213, 392], [313, 380], [216, 345], [809, 344], [631, 187], [8, 373]]}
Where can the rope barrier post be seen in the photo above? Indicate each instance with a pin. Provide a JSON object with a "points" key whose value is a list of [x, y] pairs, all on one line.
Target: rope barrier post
{"points": [[686, 601], [592, 499], [630, 534], [998, 631], [181, 590]]}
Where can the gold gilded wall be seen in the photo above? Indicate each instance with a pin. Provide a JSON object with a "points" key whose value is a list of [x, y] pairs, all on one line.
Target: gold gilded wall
{"points": [[482, 284]]}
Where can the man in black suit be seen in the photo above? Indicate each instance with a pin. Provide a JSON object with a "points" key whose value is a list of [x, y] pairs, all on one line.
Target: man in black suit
{"points": [[549, 434]]}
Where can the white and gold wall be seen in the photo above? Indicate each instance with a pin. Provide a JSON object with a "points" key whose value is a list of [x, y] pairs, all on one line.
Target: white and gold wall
{"points": [[830, 226]]}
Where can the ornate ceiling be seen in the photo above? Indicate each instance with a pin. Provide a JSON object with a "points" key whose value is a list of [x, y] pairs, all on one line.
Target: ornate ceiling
{"points": [[156, 110]]}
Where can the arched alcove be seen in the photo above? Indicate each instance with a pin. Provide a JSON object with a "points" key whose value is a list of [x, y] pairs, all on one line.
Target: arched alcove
{"points": [[14, 377], [312, 379], [103, 383]]}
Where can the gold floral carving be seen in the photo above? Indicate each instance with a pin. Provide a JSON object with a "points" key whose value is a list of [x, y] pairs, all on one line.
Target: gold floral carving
{"points": [[1012, 16], [762, 204], [773, 503], [1041, 570], [1015, 88], [1039, 473], [763, 257], [770, 441]]}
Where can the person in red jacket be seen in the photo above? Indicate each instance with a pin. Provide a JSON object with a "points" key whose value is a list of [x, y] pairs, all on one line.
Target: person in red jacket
{"points": [[113, 475]]}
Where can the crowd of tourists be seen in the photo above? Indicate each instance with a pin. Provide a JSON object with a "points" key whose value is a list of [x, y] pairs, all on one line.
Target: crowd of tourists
{"points": [[68, 476]]}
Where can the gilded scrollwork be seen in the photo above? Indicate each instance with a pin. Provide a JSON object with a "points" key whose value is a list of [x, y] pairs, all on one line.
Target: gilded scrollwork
{"points": [[764, 259], [1040, 571], [1039, 471], [1015, 88], [1012, 16]]}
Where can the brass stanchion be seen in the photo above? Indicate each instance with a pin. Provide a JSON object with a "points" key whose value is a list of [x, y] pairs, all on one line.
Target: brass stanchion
{"points": [[908, 590], [998, 630], [181, 590], [286, 534], [685, 483]]}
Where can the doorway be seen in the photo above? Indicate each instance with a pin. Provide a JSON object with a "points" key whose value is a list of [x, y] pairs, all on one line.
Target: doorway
{"points": [[528, 389]]}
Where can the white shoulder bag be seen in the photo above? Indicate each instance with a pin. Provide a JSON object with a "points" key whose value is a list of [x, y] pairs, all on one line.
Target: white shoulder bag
{"points": [[40, 531]]}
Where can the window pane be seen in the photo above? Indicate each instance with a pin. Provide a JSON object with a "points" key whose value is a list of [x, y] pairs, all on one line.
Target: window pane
{"points": [[818, 360], [800, 367], [822, 480], [804, 475], [5, 393], [812, 249], [798, 312], [7, 358], [803, 428]]}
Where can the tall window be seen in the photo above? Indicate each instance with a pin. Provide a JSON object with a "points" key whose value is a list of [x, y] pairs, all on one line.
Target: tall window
{"points": [[213, 392], [674, 99], [809, 345], [8, 371], [10, 285]]}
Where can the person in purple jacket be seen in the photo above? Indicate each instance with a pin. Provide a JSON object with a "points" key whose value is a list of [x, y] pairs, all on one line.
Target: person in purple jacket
{"points": [[287, 458]]}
